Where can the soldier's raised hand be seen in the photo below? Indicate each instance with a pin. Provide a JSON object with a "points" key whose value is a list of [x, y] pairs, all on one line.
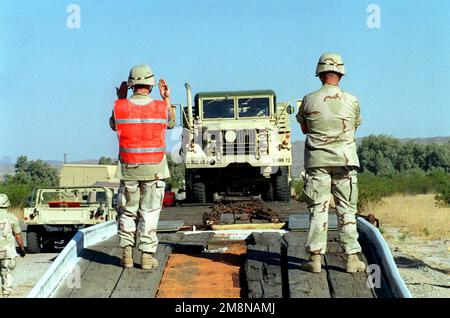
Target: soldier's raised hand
{"points": [[122, 91], [164, 89]]}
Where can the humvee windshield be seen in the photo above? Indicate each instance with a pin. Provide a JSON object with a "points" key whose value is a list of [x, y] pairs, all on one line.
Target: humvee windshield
{"points": [[86, 197], [218, 108], [254, 107]]}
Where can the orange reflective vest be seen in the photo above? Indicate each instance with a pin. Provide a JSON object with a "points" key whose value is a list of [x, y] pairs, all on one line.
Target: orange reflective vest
{"points": [[141, 130]]}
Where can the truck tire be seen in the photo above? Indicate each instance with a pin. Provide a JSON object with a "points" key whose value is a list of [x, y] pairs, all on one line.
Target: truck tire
{"points": [[281, 189], [267, 194], [199, 192], [33, 240]]}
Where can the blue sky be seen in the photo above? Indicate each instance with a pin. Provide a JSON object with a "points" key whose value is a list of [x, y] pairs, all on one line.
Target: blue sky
{"points": [[57, 84]]}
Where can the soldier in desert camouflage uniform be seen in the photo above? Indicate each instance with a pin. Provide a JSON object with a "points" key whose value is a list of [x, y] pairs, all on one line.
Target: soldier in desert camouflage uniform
{"points": [[10, 233], [142, 185], [329, 117]]}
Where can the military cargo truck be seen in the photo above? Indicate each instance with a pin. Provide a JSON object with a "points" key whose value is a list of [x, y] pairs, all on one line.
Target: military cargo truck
{"points": [[236, 143], [57, 213]]}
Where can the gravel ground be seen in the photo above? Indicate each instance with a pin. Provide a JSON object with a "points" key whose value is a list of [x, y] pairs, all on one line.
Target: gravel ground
{"points": [[424, 282], [423, 264]]}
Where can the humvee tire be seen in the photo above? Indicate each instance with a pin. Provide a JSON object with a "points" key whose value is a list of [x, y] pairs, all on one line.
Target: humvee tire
{"points": [[33, 240], [199, 192], [281, 190]]}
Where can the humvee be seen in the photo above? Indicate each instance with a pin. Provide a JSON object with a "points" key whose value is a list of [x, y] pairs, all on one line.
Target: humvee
{"points": [[236, 143], [57, 213]]}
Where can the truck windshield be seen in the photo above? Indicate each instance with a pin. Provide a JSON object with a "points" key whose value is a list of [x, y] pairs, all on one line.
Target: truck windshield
{"points": [[254, 107], [218, 108]]}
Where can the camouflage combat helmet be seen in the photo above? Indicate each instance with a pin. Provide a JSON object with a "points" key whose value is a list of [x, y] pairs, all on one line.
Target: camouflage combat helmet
{"points": [[4, 201], [141, 75], [330, 62]]}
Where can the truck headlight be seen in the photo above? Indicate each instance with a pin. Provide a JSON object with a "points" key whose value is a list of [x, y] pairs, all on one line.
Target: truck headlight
{"points": [[230, 136]]}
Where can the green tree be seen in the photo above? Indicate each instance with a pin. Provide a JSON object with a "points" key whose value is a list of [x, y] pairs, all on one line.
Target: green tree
{"points": [[411, 156], [21, 163], [36, 172], [384, 155], [29, 174], [107, 161], [437, 156], [379, 154]]}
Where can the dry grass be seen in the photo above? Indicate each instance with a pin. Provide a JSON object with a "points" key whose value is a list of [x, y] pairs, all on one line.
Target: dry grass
{"points": [[417, 215]]}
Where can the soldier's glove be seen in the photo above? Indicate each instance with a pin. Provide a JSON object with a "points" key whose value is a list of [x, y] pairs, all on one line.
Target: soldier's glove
{"points": [[22, 253], [122, 91]]}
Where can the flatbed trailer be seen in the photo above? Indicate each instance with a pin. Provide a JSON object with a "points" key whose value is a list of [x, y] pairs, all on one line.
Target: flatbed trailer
{"points": [[220, 264]]}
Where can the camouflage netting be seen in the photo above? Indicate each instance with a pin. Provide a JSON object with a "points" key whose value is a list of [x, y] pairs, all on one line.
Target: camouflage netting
{"points": [[243, 212]]}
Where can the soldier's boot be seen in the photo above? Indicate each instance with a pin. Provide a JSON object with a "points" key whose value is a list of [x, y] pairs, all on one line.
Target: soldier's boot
{"points": [[354, 264], [148, 261], [127, 257], [313, 265]]}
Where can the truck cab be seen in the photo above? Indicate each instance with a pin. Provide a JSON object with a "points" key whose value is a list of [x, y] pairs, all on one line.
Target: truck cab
{"points": [[237, 143]]}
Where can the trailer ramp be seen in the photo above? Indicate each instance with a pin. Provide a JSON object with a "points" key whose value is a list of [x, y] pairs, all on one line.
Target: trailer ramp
{"points": [[266, 265], [224, 264]]}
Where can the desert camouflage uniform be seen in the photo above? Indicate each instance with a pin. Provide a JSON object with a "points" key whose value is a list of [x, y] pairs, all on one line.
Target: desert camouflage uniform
{"points": [[331, 117], [141, 195], [9, 227]]}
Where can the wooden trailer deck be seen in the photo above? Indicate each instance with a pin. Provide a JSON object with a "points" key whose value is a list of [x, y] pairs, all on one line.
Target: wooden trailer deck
{"points": [[262, 264], [269, 269]]}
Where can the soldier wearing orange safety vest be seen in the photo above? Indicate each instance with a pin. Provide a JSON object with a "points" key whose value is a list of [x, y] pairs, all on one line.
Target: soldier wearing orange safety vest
{"points": [[141, 123]]}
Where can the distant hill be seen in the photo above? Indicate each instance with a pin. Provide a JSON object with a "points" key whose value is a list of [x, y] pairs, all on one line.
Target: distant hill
{"points": [[6, 168]]}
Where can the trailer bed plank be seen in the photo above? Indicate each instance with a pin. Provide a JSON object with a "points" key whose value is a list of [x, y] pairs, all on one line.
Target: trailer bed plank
{"points": [[101, 276], [303, 284], [263, 266], [138, 283], [67, 285], [342, 284]]}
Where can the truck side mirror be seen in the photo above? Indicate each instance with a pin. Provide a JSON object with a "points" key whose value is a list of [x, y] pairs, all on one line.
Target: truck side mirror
{"points": [[290, 109]]}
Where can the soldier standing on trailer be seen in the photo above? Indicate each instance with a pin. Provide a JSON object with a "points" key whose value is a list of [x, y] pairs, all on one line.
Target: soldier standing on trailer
{"points": [[141, 123], [329, 117]]}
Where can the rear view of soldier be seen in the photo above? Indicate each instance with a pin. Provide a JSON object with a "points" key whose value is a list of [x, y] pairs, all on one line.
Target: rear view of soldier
{"points": [[329, 117], [141, 124], [10, 233]]}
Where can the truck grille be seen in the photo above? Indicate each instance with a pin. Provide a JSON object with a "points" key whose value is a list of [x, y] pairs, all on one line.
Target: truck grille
{"points": [[245, 142]]}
